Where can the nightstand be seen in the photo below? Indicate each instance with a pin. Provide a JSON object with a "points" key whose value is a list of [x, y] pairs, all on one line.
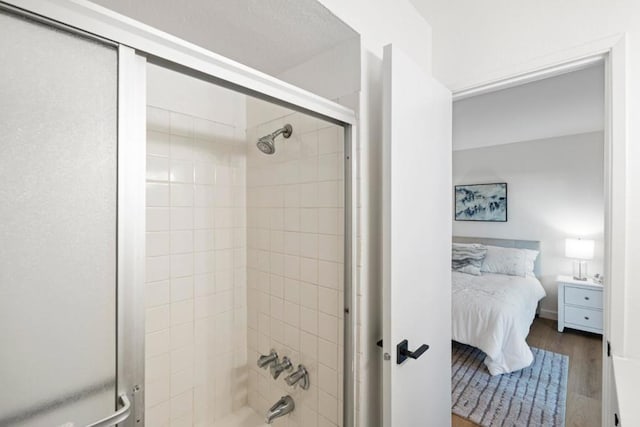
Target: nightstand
{"points": [[579, 305]]}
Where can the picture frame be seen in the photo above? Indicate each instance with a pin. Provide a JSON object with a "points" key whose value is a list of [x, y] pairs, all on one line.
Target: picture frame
{"points": [[481, 202]]}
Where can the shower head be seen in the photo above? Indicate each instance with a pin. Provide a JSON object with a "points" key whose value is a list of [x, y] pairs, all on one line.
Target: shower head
{"points": [[267, 144]]}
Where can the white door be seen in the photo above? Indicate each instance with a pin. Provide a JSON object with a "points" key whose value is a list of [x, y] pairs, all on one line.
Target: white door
{"points": [[416, 245]]}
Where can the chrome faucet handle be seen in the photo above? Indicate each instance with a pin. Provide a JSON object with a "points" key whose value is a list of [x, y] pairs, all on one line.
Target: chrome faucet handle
{"points": [[299, 377], [268, 359], [278, 368]]}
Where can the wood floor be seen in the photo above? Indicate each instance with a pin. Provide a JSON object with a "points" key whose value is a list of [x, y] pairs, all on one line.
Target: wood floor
{"points": [[584, 390]]}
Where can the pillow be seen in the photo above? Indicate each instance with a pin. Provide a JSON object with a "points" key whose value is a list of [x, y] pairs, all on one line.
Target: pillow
{"points": [[510, 261], [467, 257], [531, 256]]}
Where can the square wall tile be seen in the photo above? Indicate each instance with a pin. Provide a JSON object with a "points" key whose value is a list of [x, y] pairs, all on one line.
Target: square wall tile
{"points": [[181, 171], [182, 195], [157, 268], [157, 194], [158, 143], [181, 241], [157, 168], [157, 293], [181, 312], [157, 343], [158, 219], [243, 249], [157, 318], [157, 243], [181, 288], [328, 327]]}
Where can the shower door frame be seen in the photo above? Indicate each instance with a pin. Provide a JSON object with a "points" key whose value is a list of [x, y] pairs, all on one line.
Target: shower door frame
{"points": [[130, 225], [135, 42]]}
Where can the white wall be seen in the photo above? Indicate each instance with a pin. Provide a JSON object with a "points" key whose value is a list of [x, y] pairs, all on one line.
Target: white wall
{"points": [[295, 235], [475, 42], [478, 41], [569, 104], [555, 191], [174, 91], [378, 22], [331, 74], [195, 291]]}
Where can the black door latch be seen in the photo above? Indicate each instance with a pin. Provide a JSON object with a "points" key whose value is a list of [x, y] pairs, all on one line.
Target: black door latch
{"points": [[403, 352]]}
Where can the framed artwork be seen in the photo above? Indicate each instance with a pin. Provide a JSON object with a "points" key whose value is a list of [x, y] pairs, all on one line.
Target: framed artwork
{"points": [[481, 202]]}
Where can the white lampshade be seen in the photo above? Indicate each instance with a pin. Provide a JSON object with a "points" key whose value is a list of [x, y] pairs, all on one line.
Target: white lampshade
{"points": [[579, 248]]}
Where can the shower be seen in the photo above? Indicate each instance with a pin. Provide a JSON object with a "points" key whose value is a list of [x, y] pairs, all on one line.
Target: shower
{"points": [[267, 144]]}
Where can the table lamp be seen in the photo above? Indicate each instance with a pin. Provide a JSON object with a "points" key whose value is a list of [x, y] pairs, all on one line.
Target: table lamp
{"points": [[580, 250]]}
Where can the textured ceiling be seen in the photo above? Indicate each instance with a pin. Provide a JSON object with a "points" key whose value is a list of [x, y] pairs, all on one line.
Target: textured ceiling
{"points": [[269, 35]]}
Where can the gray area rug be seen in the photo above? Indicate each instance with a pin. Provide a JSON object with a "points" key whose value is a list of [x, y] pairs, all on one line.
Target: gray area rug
{"points": [[534, 396]]}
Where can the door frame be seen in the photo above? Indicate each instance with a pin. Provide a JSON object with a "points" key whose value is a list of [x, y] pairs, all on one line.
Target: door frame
{"points": [[107, 24], [137, 41], [611, 51], [131, 230]]}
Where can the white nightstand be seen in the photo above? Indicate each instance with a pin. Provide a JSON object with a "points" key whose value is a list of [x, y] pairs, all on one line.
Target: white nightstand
{"points": [[579, 305]]}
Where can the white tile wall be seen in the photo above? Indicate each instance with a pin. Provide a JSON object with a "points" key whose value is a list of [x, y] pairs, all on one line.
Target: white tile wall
{"points": [[295, 280], [196, 270]]}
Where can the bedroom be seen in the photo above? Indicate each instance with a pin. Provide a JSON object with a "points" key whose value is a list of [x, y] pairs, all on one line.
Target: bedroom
{"points": [[538, 151]]}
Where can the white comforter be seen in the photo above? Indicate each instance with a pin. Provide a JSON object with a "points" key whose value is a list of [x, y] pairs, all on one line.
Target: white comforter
{"points": [[493, 312]]}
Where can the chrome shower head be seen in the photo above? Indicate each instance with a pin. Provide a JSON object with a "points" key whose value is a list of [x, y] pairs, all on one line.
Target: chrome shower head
{"points": [[267, 144]]}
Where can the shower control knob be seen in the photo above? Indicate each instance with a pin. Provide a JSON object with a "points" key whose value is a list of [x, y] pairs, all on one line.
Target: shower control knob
{"points": [[299, 377], [278, 368], [267, 360]]}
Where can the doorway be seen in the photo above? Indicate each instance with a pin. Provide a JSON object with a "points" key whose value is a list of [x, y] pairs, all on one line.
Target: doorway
{"points": [[543, 328]]}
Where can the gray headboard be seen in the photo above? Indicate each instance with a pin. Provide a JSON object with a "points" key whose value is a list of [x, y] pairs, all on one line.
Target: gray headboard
{"points": [[505, 243]]}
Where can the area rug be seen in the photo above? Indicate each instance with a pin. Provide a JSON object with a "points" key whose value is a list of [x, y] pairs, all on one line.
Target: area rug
{"points": [[534, 396]]}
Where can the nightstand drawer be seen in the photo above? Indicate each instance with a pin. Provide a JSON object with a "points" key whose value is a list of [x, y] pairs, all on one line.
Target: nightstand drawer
{"points": [[583, 317], [583, 297]]}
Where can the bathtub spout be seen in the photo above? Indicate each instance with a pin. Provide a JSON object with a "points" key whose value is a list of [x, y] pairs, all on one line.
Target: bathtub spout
{"points": [[282, 407]]}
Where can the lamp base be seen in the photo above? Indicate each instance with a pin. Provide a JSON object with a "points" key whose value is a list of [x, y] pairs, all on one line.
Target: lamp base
{"points": [[580, 270]]}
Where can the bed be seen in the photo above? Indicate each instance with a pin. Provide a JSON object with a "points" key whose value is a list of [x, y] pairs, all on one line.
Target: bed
{"points": [[494, 312]]}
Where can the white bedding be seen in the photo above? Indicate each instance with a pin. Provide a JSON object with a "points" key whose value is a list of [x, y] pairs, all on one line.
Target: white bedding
{"points": [[493, 312]]}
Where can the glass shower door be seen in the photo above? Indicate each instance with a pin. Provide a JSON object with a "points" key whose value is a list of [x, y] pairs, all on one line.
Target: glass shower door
{"points": [[58, 211]]}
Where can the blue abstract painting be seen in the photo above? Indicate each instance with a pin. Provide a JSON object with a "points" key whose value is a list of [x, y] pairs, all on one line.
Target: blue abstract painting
{"points": [[481, 202]]}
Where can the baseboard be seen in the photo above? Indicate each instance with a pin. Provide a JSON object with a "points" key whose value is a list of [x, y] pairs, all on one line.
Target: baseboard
{"points": [[548, 314]]}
